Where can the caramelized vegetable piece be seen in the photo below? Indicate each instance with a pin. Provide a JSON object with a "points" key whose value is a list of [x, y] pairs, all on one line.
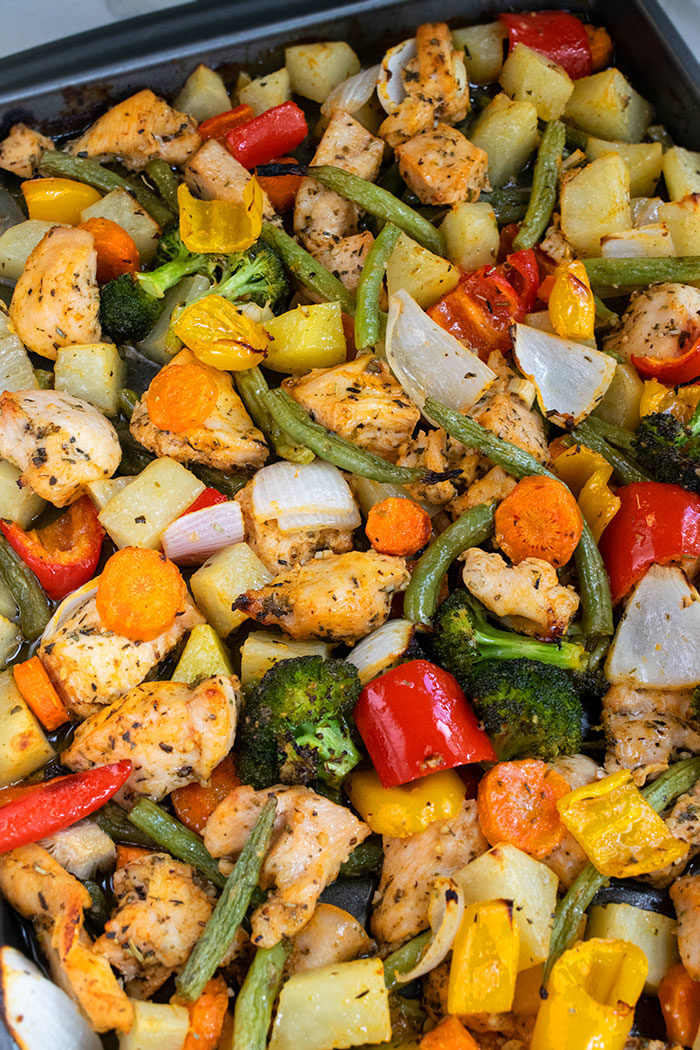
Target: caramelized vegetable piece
{"points": [[398, 526], [140, 594], [181, 397], [517, 804], [116, 250], [539, 519]]}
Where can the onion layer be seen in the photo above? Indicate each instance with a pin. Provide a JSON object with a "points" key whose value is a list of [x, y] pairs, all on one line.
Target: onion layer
{"points": [[192, 538], [445, 912]]}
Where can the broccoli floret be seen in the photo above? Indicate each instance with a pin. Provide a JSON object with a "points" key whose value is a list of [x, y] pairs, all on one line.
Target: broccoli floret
{"points": [[297, 724], [256, 274], [528, 708], [462, 638], [669, 449]]}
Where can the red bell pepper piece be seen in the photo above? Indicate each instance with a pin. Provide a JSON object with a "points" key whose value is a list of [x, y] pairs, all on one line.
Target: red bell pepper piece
{"points": [[208, 498], [523, 273], [416, 720], [219, 126], [671, 370], [656, 523], [64, 554], [281, 189], [29, 813], [272, 134], [557, 34]]}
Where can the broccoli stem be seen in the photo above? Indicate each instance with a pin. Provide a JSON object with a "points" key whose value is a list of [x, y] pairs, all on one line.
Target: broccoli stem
{"points": [[494, 644], [157, 282], [336, 751]]}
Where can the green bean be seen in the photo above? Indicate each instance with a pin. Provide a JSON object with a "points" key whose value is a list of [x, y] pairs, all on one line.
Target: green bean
{"points": [[135, 457], [627, 470], [44, 378], [65, 165], [230, 908], [334, 449], [165, 181], [617, 436], [604, 316], [421, 597], [128, 401], [544, 187], [370, 286], [595, 588], [509, 205], [404, 959], [99, 909], [365, 859], [252, 386], [307, 271], [611, 277], [380, 203], [575, 138], [213, 478], [253, 1010], [675, 781], [115, 822], [658, 133], [33, 605], [174, 837]]}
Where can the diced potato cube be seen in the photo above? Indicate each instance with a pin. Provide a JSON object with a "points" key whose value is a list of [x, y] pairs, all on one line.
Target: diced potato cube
{"points": [[266, 92], [683, 220], [315, 69], [24, 746], [157, 1026], [507, 130], [508, 873], [423, 275], [204, 656], [101, 492], [203, 95], [682, 172], [471, 235], [642, 158], [483, 48], [139, 514], [93, 372], [17, 244], [262, 649], [595, 201], [17, 504], [641, 242], [607, 105], [222, 579], [528, 76], [125, 210], [10, 638], [307, 337]]}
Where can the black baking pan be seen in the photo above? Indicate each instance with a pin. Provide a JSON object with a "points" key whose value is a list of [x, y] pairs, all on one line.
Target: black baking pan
{"points": [[60, 87]]}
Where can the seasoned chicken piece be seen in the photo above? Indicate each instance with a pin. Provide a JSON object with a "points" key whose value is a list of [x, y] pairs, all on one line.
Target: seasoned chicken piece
{"points": [[56, 300], [492, 488], [346, 258], [160, 915], [215, 175], [507, 416], [321, 217], [91, 666], [554, 243], [661, 321], [684, 822], [527, 596], [41, 890], [685, 894], [172, 734], [311, 838], [436, 86], [59, 442], [411, 865], [141, 128], [335, 597], [359, 400], [441, 166], [646, 728], [282, 550], [428, 449], [21, 151], [226, 439], [568, 860]]}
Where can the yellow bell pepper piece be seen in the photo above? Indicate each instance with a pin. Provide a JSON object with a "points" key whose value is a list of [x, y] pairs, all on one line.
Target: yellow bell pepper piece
{"points": [[308, 337], [484, 964], [220, 335], [588, 474], [58, 200], [571, 305], [679, 401], [405, 810], [620, 832], [591, 997], [220, 226], [575, 466]]}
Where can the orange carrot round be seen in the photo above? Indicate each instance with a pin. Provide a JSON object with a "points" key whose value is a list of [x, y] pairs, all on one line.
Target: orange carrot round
{"points": [[181, 397], [450, 1034], [517, 803], [539, 519], [37, 689], [679, 996], [139, 594], [194, 804], [398, 526], [116, 250], [207, 1015]]}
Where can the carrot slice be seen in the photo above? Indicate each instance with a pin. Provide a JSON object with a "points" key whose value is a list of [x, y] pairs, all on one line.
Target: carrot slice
{"points": [[125, 854], [539, 519], [601, 47], [37, 689], [181, 397], [517, 803], [139, 594], [116, 250], [450, 1034], [207, 1015], [194, 804], [398, 526], [679, 996]]}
